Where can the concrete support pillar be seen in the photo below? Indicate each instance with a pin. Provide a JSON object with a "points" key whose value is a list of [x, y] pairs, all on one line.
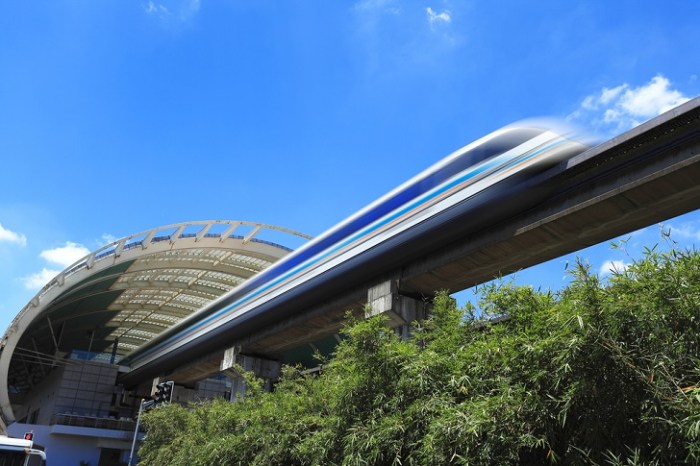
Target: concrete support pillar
{"points": [[401, 310], [234, 362]]}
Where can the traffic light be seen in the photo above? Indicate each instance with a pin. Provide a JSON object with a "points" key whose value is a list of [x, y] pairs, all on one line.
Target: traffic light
{"points": [[164, 392]]}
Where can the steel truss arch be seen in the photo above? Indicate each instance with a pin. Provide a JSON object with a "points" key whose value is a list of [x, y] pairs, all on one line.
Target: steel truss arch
{"points": [[126, 292]]}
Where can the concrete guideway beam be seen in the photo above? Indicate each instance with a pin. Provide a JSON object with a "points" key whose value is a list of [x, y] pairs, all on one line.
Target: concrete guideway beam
{"points": [[233, 362], [641, 177], [401, 311]]}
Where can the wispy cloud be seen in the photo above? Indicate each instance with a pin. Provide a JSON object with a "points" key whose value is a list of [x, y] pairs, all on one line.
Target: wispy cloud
{"points": [[155, 8], [12, 237], [688, 230], [172, 10], [37, 280], [438, 18], [62, 256], [612, 266], [617, 109], [108, 239], [401, 39], [65, 255]]}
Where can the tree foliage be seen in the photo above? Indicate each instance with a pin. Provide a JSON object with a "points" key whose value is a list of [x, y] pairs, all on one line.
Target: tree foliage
{"points": [[605, 372]]}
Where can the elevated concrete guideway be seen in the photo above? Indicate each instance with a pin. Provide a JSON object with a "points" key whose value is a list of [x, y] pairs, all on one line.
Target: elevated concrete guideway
{"points": [[644, 176]]}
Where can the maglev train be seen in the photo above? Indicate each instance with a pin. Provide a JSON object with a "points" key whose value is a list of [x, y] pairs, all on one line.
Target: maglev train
{"points": [[474, 187]]}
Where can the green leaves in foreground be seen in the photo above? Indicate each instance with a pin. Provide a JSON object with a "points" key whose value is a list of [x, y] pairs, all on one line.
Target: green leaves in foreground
{"points": [[603, 373]]}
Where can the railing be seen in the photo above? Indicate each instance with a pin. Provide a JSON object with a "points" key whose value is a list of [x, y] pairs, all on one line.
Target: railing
{"points": [[77, 420], [143, 239]]}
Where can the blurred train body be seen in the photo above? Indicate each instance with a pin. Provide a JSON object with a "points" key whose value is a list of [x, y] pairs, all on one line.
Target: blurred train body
{"points": [[474, 187]]}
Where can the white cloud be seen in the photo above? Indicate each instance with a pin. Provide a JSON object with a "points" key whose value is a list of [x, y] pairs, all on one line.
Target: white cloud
{"points": [[622, 107], [653, 99], [173, 11], [608, 95], [12, 237], [38, 280], [108, 239], [684, 231], [612, 266], [154, 8], [65, 255], [435, 17]]}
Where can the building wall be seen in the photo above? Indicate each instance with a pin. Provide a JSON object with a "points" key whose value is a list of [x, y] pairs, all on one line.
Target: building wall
{"points": [[86, 389], [38, 407], [60, 450], [81, 388], [81, 396]]}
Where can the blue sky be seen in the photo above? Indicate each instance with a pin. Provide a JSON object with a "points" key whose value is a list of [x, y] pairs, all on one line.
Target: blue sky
{"points": [[119, 116]]}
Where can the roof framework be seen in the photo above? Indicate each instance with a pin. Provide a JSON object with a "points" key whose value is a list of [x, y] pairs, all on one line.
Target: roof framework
{"points": [[122, 295]]}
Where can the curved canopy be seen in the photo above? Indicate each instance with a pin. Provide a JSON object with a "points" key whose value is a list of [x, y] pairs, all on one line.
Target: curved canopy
{"points": [[125, 293]]}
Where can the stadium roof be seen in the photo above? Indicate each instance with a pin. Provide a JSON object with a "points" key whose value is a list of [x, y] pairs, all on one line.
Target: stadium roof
{"points": [[120, 296]]}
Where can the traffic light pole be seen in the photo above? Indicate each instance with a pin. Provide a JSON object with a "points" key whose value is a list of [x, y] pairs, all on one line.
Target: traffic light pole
{"points": [[142, 405], [163, 394]]}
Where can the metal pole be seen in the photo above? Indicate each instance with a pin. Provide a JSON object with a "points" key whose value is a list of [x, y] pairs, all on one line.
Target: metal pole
{"points": [[136, 431]]}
